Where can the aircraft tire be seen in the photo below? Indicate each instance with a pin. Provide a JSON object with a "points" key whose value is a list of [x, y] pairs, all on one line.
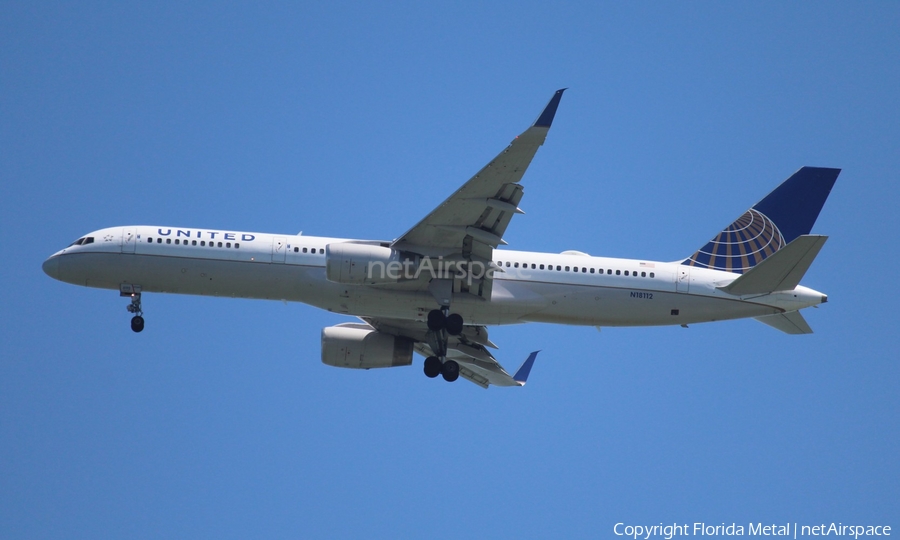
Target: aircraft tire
{"points": [[137, 323], [436, 320], [454, 324], [450, 370], [432, 367]]}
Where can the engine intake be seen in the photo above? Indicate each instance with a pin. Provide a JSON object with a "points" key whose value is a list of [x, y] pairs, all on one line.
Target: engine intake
{"points": [[362, 347]]}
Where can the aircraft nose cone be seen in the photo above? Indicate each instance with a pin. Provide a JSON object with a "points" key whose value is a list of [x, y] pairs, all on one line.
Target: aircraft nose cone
{"points": [[51, 267]]}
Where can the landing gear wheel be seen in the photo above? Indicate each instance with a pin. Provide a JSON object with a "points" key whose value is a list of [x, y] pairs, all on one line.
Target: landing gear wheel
{"points": [[450, 370], [436, 320], [432, 367], [454, 324], [137, 323]]}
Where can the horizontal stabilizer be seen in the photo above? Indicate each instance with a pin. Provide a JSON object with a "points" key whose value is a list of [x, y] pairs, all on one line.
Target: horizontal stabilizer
{"points": [[789, 323], [781, 271]]}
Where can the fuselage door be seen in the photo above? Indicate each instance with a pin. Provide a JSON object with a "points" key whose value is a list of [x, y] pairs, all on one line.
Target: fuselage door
{"points": [[129, 239], [279, 249], [683, 278]]}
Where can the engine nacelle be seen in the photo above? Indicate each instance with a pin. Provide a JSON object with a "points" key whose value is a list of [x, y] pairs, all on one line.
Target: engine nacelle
{"points": [[361, 347], [361, 264]]}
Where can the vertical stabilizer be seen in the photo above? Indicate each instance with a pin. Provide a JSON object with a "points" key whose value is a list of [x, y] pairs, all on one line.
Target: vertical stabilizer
{"points": [[785, 214]]}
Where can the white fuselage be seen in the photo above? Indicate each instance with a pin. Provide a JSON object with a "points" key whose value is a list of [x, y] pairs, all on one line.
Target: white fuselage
{"points": [[530, 287]]}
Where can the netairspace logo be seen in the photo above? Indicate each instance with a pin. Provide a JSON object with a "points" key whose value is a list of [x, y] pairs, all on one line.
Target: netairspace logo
{"points": [[795, 530]]}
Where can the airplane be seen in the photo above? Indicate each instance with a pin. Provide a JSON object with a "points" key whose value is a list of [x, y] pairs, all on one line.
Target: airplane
{"points": [[435, 289]]}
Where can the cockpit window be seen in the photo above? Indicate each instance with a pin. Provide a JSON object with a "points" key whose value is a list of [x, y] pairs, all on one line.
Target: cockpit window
{"points": [[83, 241]]}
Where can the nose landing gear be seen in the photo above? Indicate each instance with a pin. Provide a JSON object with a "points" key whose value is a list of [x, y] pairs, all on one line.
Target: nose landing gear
{"points": [[441, 325], [134, 292]]}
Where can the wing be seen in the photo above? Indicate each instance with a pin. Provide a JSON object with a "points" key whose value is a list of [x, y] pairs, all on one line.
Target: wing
{"points": [[472, 221], [469, 350]]}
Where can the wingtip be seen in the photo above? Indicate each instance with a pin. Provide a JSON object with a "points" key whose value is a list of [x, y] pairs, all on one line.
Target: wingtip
{"points": [[521, 375], [546, 117]]}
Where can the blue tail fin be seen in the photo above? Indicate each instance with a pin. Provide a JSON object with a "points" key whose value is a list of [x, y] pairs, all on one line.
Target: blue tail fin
{"points": [[786, 213]]}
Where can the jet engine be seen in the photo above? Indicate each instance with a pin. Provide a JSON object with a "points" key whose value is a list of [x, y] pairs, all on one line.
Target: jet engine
{"points": [[362, 347], [362, 264]]}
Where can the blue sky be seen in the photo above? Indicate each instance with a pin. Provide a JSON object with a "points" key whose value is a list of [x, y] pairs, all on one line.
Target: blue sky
{"points": [[355, 120]]}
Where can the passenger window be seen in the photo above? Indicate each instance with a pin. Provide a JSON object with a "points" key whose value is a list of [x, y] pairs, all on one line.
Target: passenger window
{"points": [[168, 240], [558, 268], [516, 265], [304, 250], [533, 266], [296, 250], [237, 246], [150, 240], [228, 244], [159, 240], [592, 270], [220, 244], [618, 272], [177, 242], [626, 272], [203, 243], [193, 242], [583, 270], [542, 267], [652, 274], [609, 271], [567, 269], [643, 274]]}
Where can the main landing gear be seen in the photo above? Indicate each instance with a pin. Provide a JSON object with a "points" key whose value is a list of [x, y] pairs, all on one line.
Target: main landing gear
{"points": [[134, 292], [441, 324]]}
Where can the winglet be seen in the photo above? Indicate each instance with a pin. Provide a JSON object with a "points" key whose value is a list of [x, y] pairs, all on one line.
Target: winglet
{"points": [[522, 375], [546, 117]]}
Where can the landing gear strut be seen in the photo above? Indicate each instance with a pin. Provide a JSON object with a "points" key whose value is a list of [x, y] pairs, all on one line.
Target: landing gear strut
{"points": [[134, 292], [441, 325]]}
